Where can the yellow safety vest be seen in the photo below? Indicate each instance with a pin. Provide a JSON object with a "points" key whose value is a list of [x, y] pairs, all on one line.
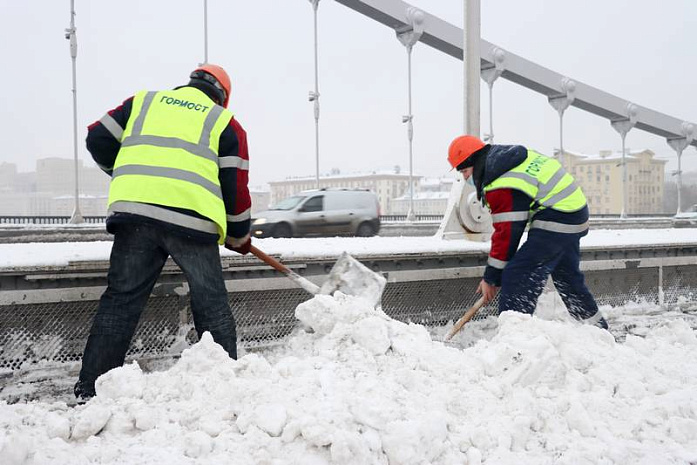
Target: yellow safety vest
{"points": [[549, 185], [169, 157], [545, 181]]}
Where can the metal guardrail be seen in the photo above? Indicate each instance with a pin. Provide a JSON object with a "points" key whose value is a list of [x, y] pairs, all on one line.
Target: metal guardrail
{"points": [[36, 219], [384, 218], [21, 219], [45, 313], [594, 216], [633, 215]]}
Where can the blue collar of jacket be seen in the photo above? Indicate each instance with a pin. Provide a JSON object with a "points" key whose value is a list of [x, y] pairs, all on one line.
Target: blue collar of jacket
{"points": [[501, 159], [497, 160]]}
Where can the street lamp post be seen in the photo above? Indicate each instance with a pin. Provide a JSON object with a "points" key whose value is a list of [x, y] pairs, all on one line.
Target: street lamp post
{"points": [[408, 36], [70, 34], [205, 31], [314, 94]]}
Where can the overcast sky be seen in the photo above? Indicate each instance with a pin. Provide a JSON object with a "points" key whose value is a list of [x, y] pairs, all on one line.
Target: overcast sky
{"points": [[639, 50]]}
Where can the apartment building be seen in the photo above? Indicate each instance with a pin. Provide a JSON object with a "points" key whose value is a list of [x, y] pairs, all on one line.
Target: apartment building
{"points": [[425, 203], [387, 186], [431, 197], [600, 177], [260, 199]]}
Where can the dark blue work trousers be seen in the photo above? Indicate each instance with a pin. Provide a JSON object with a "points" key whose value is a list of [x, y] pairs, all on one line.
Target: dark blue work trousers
{"points": [[137, 257], [525, 276]]}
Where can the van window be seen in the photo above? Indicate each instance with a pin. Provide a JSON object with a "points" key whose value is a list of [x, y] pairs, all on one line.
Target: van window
{"points": [[314, 204], [349, 200], [288, 204]]}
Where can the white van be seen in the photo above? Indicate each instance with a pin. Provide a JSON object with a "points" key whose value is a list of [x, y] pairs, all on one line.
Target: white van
{"points": [[323, 212]]}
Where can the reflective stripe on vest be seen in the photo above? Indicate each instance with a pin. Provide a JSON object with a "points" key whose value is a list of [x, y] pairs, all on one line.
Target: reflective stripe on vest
{"points": [[509, 216], [162, 214], [559, 227], [169, 157], [544, 180], [172, 173], [172, 143]]}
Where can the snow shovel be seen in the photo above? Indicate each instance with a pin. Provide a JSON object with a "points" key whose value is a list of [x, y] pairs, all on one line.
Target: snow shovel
{"points": [[348, 275], [469, 314]]}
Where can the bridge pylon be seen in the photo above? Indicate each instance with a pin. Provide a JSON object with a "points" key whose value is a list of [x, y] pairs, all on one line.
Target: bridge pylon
{"points": [[465, 216]]}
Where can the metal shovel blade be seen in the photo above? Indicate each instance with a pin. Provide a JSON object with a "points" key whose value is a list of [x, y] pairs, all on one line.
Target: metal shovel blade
{"points": [[351, 277]]}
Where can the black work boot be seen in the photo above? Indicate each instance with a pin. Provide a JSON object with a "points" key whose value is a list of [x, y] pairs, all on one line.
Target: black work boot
{"points": [[84, 391], [602, 323]]}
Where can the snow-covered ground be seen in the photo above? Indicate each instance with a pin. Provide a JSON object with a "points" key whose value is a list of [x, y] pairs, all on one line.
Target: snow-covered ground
{"points": [[41, 254], [353, 386]]}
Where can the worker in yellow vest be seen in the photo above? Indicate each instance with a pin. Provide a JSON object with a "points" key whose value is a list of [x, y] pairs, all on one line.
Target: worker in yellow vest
{"points": [[524, 188], [179, 165]]}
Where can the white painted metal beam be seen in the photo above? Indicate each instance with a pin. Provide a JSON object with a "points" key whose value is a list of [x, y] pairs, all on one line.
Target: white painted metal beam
{"points": [[447, 38]]}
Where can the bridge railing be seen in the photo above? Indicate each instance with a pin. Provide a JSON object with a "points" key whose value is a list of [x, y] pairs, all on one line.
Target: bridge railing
{"points": [[46, 312], [388, 218], [48, 220], [51, 219]]}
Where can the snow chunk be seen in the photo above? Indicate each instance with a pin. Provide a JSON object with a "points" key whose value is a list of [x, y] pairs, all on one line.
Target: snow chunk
{"points": [[57, 426], [90, 421], [371, 333], [122, 382], [323, 312], [16, 449], [197, 444], [415, 441], [270, 418]]}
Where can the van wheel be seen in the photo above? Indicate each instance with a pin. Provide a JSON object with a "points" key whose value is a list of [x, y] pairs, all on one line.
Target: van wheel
{"points": [[365, 230], [282, 230]]}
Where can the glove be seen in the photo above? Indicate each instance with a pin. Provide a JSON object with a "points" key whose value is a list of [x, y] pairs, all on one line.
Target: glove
{"points": [[240, 245]]}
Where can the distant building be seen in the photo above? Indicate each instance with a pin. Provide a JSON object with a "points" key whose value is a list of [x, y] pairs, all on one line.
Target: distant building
{"points": [[386, 185], [8, 177], [56, 175], [425, 203], [431, 197], [50, 190], [600, 177], [90, 205], [436, 184], [260, 199]]}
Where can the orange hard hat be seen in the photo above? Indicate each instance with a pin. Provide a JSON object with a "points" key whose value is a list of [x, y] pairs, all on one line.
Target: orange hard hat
{"points": [[216, 76], [462, 148]]}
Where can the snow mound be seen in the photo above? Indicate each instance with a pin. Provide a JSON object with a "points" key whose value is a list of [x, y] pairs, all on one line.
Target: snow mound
{"points": [[357, 387]]}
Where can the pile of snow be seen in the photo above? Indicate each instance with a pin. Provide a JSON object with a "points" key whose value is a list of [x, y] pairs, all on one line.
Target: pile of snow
{"points": [[356, 387]]}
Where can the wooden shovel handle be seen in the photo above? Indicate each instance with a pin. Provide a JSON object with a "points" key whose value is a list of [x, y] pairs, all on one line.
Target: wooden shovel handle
{"points": [[469, 314], [305, 283], [272, 262]]}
